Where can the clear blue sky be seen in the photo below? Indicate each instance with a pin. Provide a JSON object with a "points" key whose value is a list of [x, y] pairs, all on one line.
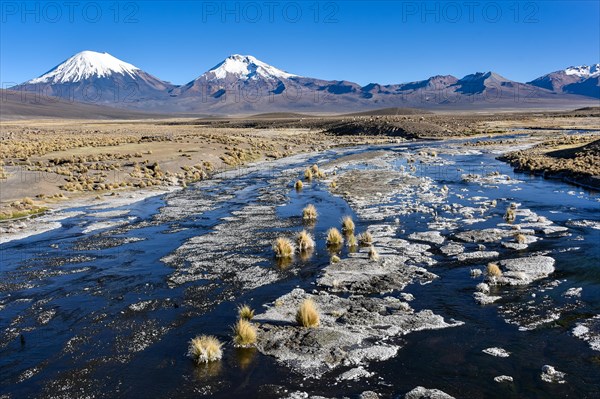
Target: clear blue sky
{"points": [[384, 42]]}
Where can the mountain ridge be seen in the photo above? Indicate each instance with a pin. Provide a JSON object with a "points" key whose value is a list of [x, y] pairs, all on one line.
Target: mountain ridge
{"points": [[580, 80], [244, 84]]}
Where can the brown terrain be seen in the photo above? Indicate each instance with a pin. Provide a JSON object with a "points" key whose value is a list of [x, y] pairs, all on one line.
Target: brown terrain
{"points": [[44, 162], [571, 158]]}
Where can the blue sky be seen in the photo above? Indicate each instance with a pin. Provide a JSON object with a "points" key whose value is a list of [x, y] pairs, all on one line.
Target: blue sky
{"points": [[383, 42]]}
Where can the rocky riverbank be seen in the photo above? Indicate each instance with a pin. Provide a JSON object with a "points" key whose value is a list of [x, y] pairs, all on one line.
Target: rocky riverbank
{"points": [[575, 159]]}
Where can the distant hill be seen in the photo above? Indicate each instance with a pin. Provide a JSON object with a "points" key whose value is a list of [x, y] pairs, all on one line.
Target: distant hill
{"points": [[581, 80], [279, 115], [14, 106], [390, 112]]}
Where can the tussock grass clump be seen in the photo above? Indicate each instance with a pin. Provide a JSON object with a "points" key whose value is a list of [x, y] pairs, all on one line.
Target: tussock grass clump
{"points": [[334, 237], [373, 255], [309, 212], [304, 241], [334, 259], [351, 240], [308, 175], [307, 315], [365, 238], [347, 225], [299, 185], [510, 215], [283, 248], [314, 169], [493, 270], [245, 312], [321, 174], [521, 238], [244, 333], [333, 184], [204, 349]]}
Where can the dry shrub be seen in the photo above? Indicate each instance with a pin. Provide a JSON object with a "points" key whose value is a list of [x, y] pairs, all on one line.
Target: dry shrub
{"points": [[307, 315], [309, 212], [283, 248], [205, 348], [334, 237], [510, 215], [304, 241], [351, 241], [244, 333], [493, 270], [347, 224], [245, 312], [308, 175], [373, 255], [365, 238]]}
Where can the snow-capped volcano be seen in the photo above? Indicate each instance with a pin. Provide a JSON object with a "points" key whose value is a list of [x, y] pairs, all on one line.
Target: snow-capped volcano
{"points": [[583, 71], [241, 74], [95, 77], [245, 67], [84, 65]]}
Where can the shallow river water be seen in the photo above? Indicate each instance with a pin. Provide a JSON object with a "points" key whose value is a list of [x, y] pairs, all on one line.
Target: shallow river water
{"points": [[105, 304]]}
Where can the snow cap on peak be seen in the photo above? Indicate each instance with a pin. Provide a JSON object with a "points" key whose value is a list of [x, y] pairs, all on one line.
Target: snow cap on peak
{"points": [[583, 71], [84, 65], [246, 67]]}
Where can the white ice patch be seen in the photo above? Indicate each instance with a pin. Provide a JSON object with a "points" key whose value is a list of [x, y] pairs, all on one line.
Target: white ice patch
{"points": [[498, 352]]}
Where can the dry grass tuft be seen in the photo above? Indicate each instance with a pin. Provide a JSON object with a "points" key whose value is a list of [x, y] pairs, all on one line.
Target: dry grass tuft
{"points": [[245, 312], [308, 315], [308, 175], [304, 241], [334, 259], [315, 168], [244, 333], [510, 215], [351, 241], [334, 237], [283, 248], [373, 255], [347, 225], [521, 238], [493, 270], [205, 348], [309, 212], [299, 185], [365, 239]]}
